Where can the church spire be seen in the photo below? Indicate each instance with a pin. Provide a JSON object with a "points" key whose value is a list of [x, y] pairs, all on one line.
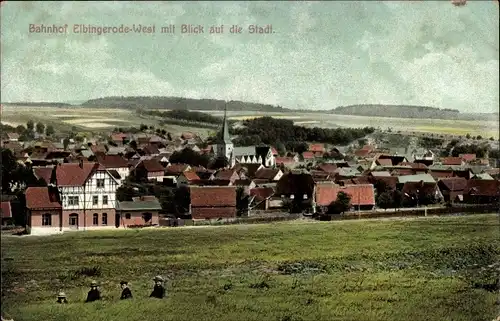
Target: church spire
{"points": [[225, 128]]}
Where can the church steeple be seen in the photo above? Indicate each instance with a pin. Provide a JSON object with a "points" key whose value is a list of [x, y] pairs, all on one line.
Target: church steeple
{"points": [[225, 128]]}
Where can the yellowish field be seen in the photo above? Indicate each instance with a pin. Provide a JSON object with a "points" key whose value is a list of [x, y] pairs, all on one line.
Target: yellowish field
{"points": [[87, 118]]}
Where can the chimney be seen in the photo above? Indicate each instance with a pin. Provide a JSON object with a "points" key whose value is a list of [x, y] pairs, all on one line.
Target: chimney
{"points": [[81, 163]]}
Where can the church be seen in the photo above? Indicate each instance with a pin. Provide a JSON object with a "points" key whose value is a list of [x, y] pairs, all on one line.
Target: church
{"points": [[245, 155]]}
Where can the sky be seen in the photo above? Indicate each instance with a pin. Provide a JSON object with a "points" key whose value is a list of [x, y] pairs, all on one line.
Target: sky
{"points": [[321, 55]]}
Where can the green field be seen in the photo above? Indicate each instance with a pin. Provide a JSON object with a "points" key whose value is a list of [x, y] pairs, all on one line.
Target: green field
{"points": [[413, 269], [105, 119]]}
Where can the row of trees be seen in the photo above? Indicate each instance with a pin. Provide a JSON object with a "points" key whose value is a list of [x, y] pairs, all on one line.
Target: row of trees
{"points": [[27, 132]]}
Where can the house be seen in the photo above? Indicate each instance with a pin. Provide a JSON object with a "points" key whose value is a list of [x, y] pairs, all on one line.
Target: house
{"points": [[43, 174], [113, 150], [246, 170], [260, 198], [317, 149], [87, 191], [426, 178], [187, 178], [421, 193], [362, 196], [467, 157], [247, 185], [479, 191], [13, 137], [269, 174], [452, 188], [44, 211], [320, 176], [453, 161], [151, 169], [227, 175], [327, 167], [6, 212], [114, 163], [423, 156], [482, 176], [296, 187], [308, 156], [265, 153], [118, 138], [212, 202], [141, 211]]}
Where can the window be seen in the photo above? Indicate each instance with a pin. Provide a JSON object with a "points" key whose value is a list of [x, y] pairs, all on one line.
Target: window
{"points": [[127, 216], [46, 219], [100, 183], [104, 219], [147, 217], [105, 200], [95, 220], [73, 200], [95, 200], [73, 220]]}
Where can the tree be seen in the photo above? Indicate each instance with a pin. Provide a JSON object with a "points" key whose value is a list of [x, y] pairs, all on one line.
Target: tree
{"points": [[479, 137], [133, 144], [20, 129], [49, 130], [30, 125], [280, 148], [169, 136], [397, 198], [189, 156], [182, 199], [341, 204], [143, 127], [8, 167], [467, 136], [385, 200], [40, 128], [219, 162], [66, 143]]}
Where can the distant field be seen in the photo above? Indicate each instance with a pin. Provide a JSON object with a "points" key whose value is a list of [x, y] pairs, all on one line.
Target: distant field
{"points": [[104, 119], [385, 270]]}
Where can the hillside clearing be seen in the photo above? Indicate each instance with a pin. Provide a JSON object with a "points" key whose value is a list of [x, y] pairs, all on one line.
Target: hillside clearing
{"points": [[421, 269]]}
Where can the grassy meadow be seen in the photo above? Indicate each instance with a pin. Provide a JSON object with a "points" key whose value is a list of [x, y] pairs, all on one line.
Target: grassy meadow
{"points": [[412, 269], [95, 119]]}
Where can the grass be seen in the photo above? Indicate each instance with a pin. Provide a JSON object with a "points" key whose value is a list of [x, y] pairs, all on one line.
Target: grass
{"points": [[420, 269]]}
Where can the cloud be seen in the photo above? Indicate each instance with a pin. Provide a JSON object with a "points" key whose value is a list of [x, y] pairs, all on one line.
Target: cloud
{"points": [[322, 54]]}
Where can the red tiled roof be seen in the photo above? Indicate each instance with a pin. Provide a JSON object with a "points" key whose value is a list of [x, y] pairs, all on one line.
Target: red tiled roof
{"points": [[98, 148], [362, 152], [308, 155], [213, 196], [384, 161], [483, 187], [152, 165], [13, 135], [360, 194], [467, 157], [284, 160], [452, 161], [262, 193], [6, 210], [453, 183], [44, 173], [41, 197], [402, 172], [118, 137], [225, 174], [266, 173], [315, 148], [441, 174], [328, 168], [150, 149], [191, 175], [112, 161], [413, 165], [274, 151], [71, 174], [176, 169], [423, 188]]}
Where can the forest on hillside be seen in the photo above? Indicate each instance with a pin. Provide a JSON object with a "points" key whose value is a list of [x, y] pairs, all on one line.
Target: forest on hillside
{"points": [[158, 102], [272, 131], [407, 111]]}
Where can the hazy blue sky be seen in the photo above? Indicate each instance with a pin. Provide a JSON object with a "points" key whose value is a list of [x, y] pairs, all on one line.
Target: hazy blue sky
{"points": [[321, 55]]}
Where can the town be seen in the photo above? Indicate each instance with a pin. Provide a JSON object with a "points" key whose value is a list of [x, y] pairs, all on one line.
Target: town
{"points": [[149, 177]]}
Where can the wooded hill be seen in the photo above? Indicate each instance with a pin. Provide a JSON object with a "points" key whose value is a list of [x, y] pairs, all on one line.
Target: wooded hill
{"points": [[408, 111], [178, 103]]}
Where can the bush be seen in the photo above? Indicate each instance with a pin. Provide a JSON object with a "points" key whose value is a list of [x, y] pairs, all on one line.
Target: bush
{"points": [[88, 271]]}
